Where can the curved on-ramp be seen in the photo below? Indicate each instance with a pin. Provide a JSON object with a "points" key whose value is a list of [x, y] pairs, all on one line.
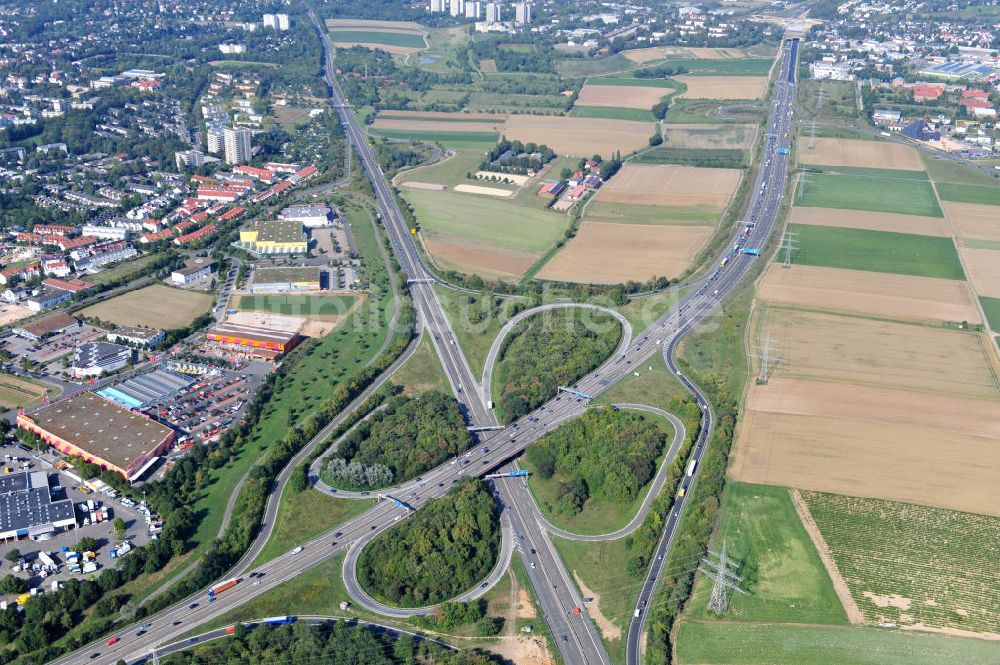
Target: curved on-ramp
{"points": [[491, 358], [654, 488]]}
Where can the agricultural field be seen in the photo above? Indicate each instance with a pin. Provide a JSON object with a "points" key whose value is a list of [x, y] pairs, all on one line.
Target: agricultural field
{"points": [[912, 565], [973, 220], [984, 268], [876, 251], [723, 87], [991, 306], [866, 154], [873, 294], [396, 37], [673, 186], [786, 578], [709, 137], [978, 194], [715, 643], [874, 190], [17, 392], [581, 137], [624, 96], [864, 351], [694, 53], [156, 306], [872, 221], [839, 98], [609, 253], [483, 235]]}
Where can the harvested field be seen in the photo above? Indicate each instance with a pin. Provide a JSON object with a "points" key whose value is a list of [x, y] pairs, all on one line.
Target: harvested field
{"points": [[608, 253], [643, 55], [874, 442], [858, 351], [155, 306], [984, 270], [872, 221], [973, 220], [17, 392], [669, 185], [488, 66], [441, 115], [623, 96], [866, 154], [861, 292], [418, 125], [483, 261], [581, 137], [359, 23], [413, 184], [723, 87], [388, 48], [488, 191], [709, 137]]}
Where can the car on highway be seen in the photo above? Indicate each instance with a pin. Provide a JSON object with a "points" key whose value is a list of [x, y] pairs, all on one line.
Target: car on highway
{"points": [[113, 640]]}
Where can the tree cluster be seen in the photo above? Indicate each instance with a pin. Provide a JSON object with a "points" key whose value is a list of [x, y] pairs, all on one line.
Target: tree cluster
{"points": [[605, 454], [547, 351], [446, 548], [409, 437]]}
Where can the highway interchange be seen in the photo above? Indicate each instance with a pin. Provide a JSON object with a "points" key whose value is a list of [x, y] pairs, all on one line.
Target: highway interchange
{"points": [[576, 637]]}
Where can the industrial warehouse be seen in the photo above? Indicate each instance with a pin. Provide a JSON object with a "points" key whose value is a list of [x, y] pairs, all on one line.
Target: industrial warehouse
{"points": [[101, 432], [247, 341], [274, 237], [27, 509], [285, 280], [144, 389]]}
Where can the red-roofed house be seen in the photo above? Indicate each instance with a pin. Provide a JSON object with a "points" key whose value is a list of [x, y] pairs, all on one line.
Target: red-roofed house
{"points": [[925, 92], [54, 229], [264, 175], [71, 285], [577, 193], [206, 230], [11, 275], [68, 244], [157, 236]]}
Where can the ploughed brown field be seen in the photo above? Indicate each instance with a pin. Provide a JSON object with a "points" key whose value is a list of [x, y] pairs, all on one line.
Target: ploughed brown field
{"points": [[486, 261], [973, 220], [669, 185], [623, 96], [863, 292], [983, 267], [607, 253], [723, 87], [581, 137], [872, 221], [855, 152]]}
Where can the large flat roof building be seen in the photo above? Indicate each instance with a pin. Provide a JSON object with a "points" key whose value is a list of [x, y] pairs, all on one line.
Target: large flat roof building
{"points": [[97, 358], [283, 280], [27, 509], [310, 216], [275, 237], [100, 432], [253, 341]]}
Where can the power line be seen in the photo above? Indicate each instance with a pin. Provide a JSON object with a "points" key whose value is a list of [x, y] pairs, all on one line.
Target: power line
{"points": [[768, 356], [723, 573], [789, 244]]}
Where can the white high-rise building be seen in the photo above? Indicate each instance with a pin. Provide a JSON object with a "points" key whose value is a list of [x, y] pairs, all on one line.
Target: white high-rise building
{"points": [[472, 9], [457, 7], [270, 21], [213, 139], [282, 21], [189, 159], [237, 145], [522, 13], [492, 12], [437, 6]]}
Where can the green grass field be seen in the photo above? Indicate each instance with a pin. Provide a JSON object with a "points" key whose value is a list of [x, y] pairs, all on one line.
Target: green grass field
{"points": [[422, 372], [635, 82], [303, 515], [450, 171], [471, 218], [601, 566], [612, 112], [949, 191], [17, 392], [767, 644], [702, 111], [579, 67], [406, 39], [865, 192], [943, 564], [785, 577], [454, 140], [733, 67], [868, 172], [945, 170], [726, 158], [655, 387], [877, 251], [125, 269], [598, 516], [632, 213], [992, 308], [319, 306]]}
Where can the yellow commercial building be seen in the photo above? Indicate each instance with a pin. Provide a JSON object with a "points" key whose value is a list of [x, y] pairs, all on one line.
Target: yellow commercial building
{"points": [[275, 237]]}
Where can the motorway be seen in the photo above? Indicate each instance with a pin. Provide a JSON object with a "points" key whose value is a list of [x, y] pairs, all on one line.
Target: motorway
{"points": [[576, 636]]}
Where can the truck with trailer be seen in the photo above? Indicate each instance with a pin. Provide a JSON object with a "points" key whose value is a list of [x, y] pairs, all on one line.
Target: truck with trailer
{"points": [[689, 470], [213, 592]]}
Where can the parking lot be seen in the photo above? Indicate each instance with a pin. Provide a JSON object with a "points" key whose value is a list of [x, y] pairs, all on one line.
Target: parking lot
{"points": [[137, 529], [207, 407], [53, 347]]}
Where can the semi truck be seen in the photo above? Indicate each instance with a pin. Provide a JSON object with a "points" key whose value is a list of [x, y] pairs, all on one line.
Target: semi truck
{"points": [[277, 621], [213, 592], [689, 471]]}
